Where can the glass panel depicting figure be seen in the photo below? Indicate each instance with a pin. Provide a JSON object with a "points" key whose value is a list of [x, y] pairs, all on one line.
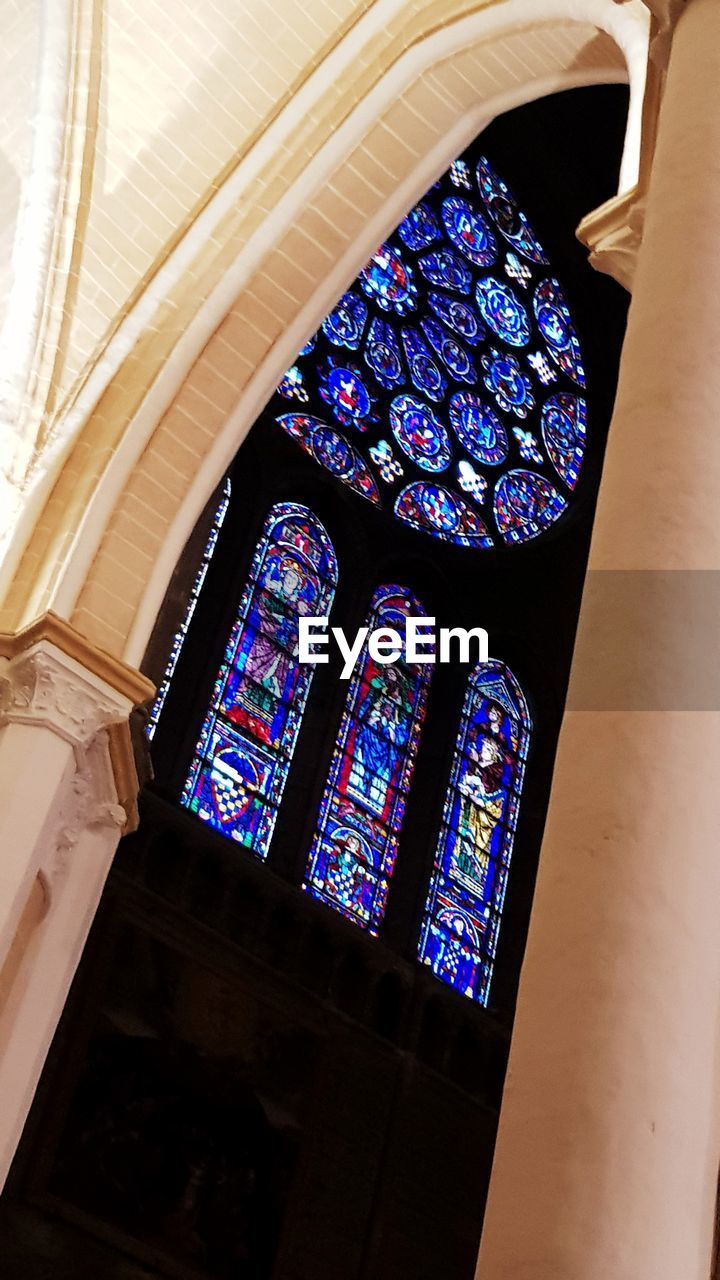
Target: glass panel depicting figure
{"points": [[241, 761], [181, 633], [462, 916], [361, 814]]}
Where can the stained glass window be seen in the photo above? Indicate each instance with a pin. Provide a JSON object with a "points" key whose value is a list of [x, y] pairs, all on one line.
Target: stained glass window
{"points": [[462, 915], [241, 760], [181, 633], [457, 338], [361, 814]]}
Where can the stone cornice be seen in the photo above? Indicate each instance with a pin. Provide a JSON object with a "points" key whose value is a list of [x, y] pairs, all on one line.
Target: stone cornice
{"points": [[43, 687], [50, 629]]}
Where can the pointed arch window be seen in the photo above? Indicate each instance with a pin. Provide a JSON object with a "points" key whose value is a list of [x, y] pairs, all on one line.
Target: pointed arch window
{"points": [[241, 761], [353, 852], [467, 889]]}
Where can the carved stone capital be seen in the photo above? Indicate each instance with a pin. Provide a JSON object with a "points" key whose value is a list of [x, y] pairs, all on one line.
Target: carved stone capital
{"points": [[613, 234], [54, 678], [45, 687], [89, 800]]}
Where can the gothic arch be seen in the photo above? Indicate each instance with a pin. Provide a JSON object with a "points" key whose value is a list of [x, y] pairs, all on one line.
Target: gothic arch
{"points": [[179, 383]]}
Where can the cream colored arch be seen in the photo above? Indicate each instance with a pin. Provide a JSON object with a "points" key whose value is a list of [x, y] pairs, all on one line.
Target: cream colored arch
{"points": [[162, 409]]}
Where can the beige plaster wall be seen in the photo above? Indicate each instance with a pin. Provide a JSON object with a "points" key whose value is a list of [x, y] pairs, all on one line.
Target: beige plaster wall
{"points": [[20, 25]]}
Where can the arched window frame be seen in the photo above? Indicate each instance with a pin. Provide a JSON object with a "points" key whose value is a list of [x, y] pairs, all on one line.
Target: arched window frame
{"points": [[243, 754], [463, 911], [354, 848]]}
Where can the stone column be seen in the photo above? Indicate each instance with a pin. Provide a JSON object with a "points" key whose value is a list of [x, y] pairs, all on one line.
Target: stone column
{"points": [[67, 786], [607, 1154]]}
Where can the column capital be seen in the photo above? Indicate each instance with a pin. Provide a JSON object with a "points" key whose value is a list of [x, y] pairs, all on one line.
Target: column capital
{"points": [[44, 687], [613, 234], [55, 631], [52, 677]]}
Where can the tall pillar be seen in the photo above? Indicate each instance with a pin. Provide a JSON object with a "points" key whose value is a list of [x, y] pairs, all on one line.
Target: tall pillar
{"points": [[67, 788], [608, 1147]]}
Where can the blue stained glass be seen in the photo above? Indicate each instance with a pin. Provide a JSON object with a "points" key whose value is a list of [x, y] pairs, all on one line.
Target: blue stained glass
{"points": [[529, 448], [478, 429], [382, 354], [460, 296], [309, 345], [332, 451], [291, 387], [508, 218], [471, 482], [503, 312], [444, 268], [181, 633], [386, 462], [453, 355], [389, 281], [424, 369], [525, 503], [420, 228], [517, 270], [457, 315], [460, 927], [437, 510], [512, 388], [240, 765], [542, 368], [563, 430], [419, 433], [345, 323], [556, 326], [353, 852], [342, 387], [469, 232], [460, 174]]}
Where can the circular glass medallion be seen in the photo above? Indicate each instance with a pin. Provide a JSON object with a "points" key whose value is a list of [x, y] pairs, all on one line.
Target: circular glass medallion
{"points": [[468, 231], [511, 388], [344, 390], [563, 430], [503, 312], [424, 369], [333, 452], [556, 327], [478, 429], [382, 354], [503, 209], [389, 281], [444, 268], [344, 326], [419, 228], [419, 433], [437, 510], [525, 504], [453, 355], [458, 316]]}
